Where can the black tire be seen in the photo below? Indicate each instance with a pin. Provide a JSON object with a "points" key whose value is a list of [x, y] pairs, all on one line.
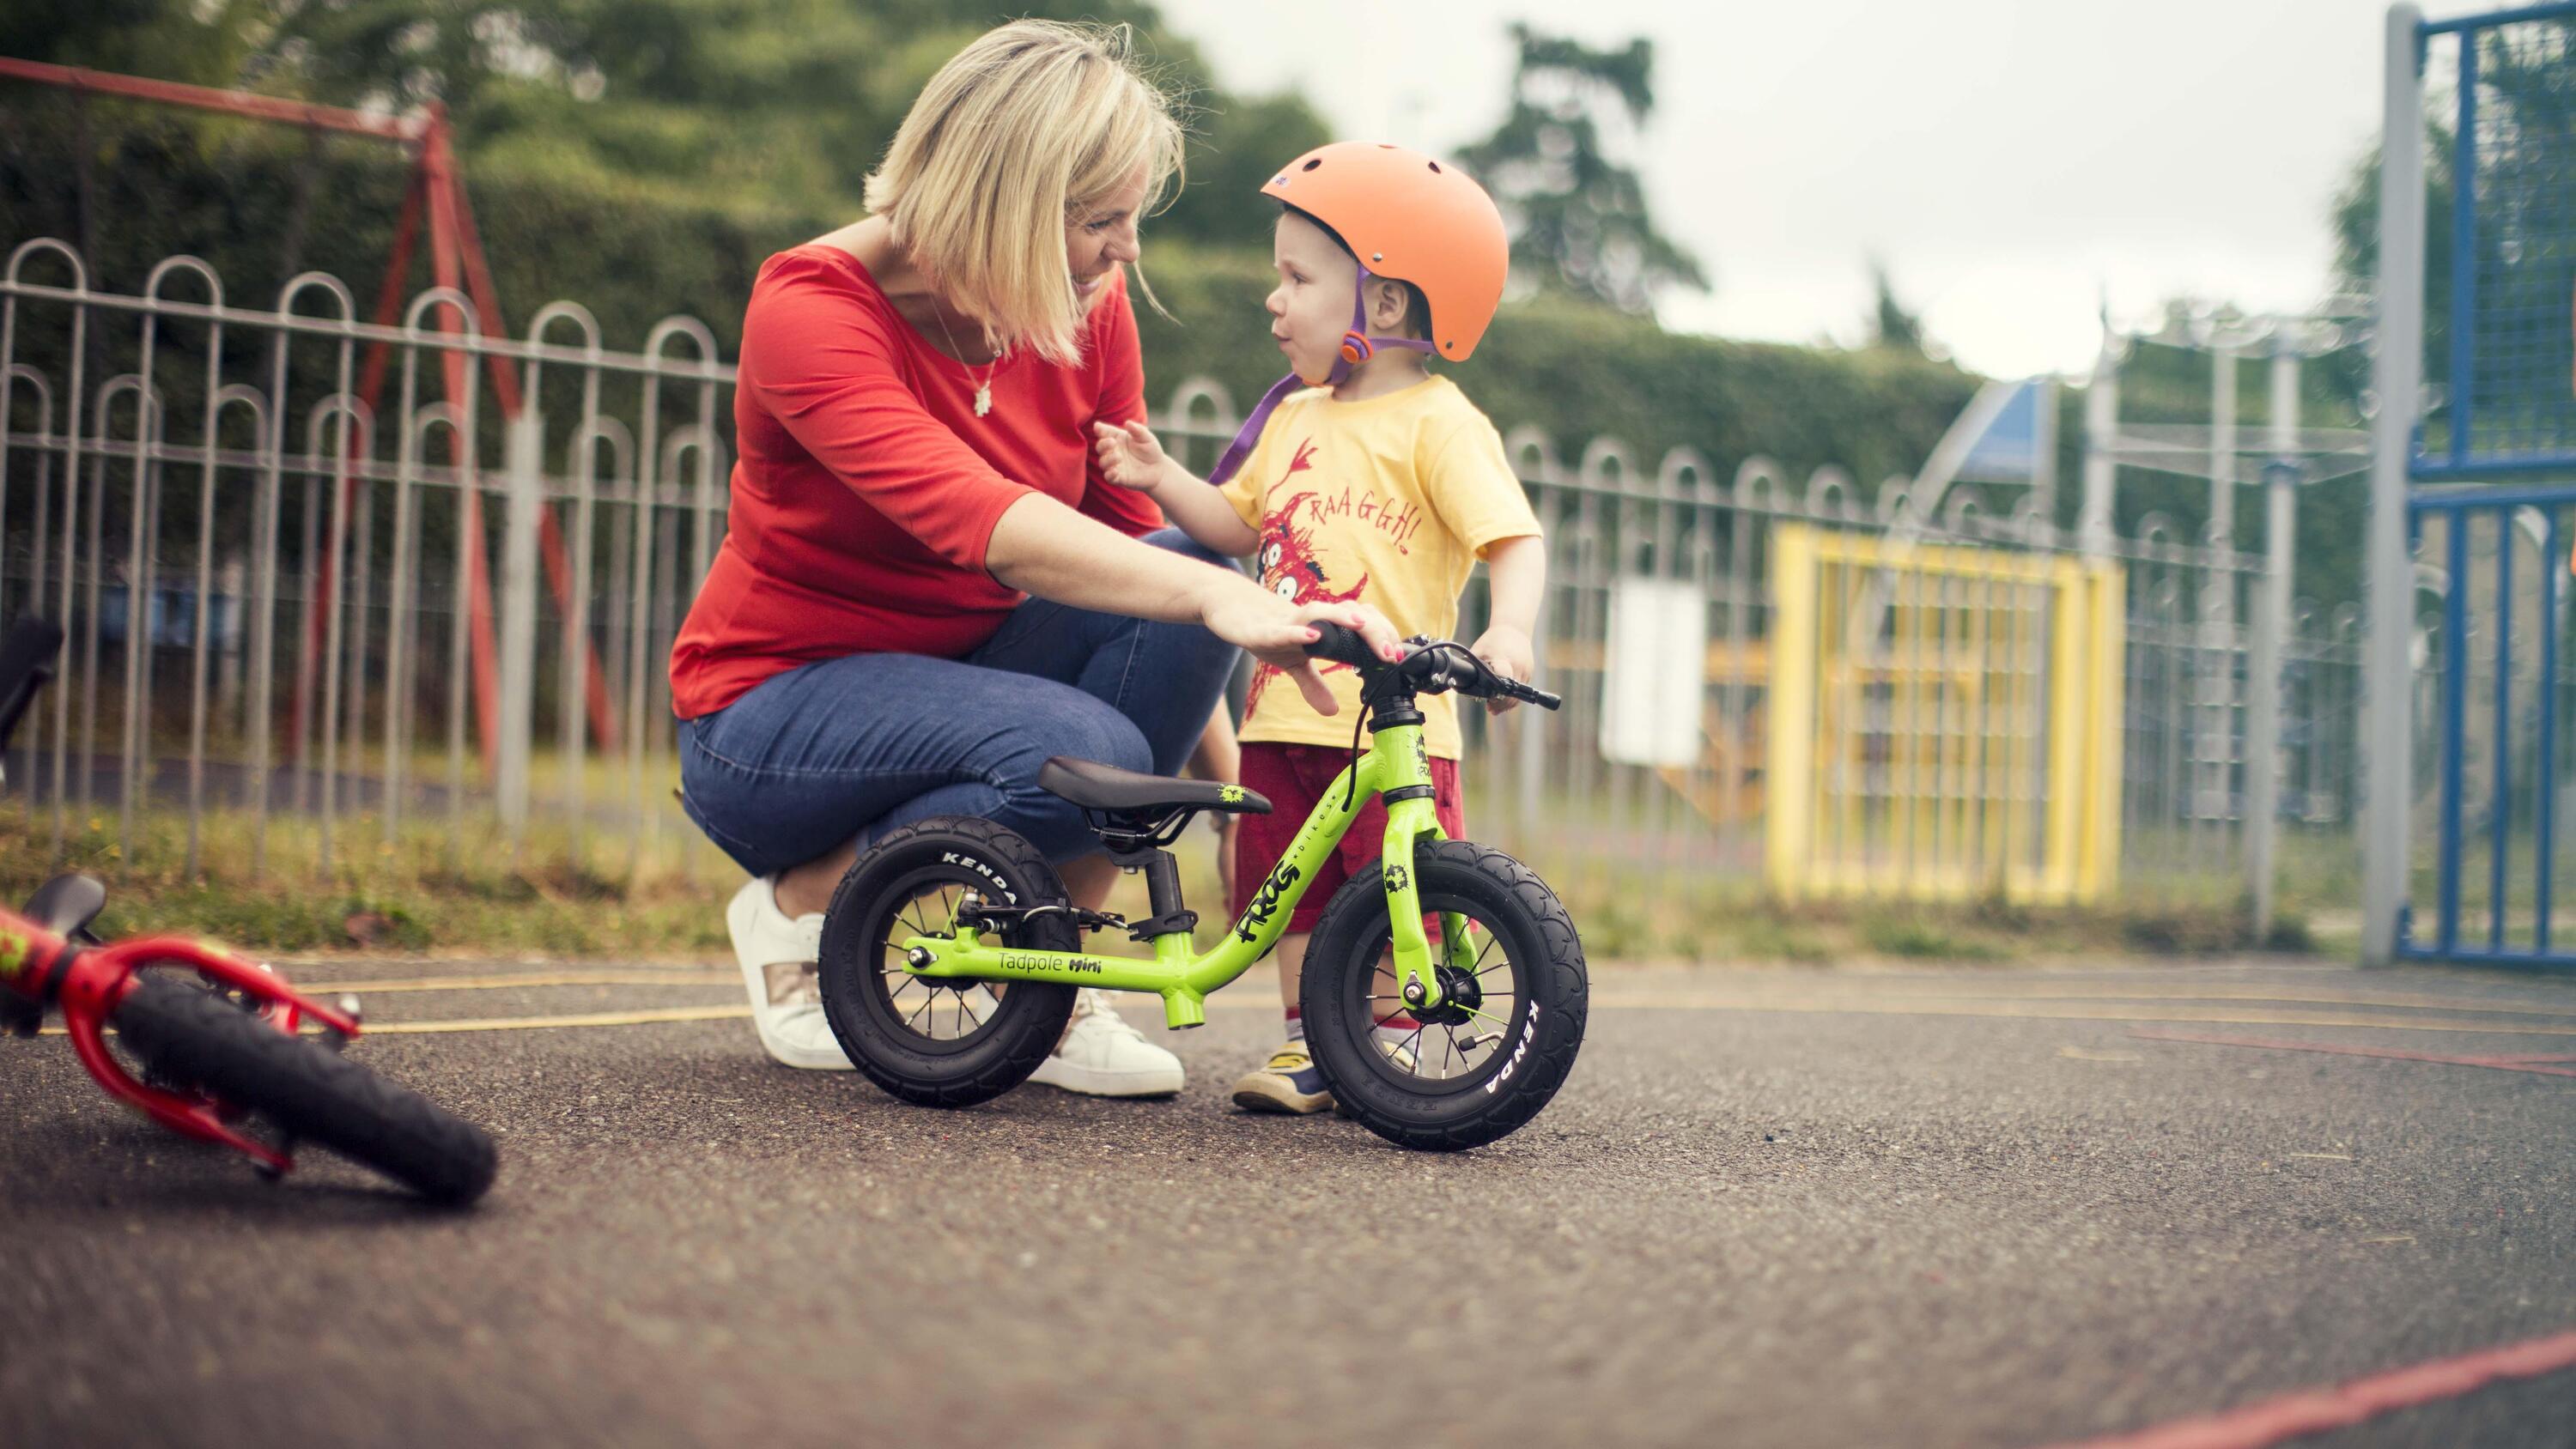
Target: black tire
{"points": [[879, 1011], [193, 1037], [1348, 989]]}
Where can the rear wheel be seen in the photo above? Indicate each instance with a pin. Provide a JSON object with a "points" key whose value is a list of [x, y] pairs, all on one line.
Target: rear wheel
{"points": [[934, 1042], [1491, 1055], [195, 1039]]}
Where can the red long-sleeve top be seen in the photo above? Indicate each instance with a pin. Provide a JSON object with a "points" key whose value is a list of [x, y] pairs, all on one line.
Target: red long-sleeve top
{"points": [[866, 489]]}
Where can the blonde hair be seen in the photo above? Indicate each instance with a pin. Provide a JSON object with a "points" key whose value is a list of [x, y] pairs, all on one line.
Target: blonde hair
{"points": [[1031, 124]]}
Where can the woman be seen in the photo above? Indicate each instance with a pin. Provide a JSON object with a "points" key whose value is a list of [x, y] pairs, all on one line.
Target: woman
{"points": [[926, 589]]}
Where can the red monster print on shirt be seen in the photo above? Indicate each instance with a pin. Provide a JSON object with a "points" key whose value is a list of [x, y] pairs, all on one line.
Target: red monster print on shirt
{"points": [[1289, 567]]}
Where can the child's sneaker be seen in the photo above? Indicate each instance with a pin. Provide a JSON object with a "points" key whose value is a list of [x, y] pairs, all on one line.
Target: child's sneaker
{"points": [[1289, 1082]]}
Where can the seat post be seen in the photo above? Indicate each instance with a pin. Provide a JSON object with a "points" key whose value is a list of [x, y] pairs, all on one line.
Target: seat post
{"points": [[1162, 891]]}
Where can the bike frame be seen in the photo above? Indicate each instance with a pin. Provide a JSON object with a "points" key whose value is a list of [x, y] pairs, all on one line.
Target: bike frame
{"points": [[89, 981], [1397, 762]]}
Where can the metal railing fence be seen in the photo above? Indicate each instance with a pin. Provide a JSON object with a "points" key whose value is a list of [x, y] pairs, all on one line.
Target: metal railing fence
{"points": [[294, 611]]}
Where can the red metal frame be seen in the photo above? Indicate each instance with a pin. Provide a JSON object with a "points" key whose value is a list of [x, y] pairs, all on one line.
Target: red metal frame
{"points": [[94, 982], [457, 261]]}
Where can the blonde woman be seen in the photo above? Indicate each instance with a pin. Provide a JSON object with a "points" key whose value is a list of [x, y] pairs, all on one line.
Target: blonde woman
{"points": [[926, 588]]}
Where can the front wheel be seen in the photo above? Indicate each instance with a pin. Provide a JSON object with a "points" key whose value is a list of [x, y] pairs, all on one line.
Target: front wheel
{"points": [[1491, 1055], [193, 1038]]}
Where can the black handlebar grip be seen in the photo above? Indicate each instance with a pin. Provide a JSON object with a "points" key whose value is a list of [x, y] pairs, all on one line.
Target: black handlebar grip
{"points": [[1342, 646], [26, 662]]}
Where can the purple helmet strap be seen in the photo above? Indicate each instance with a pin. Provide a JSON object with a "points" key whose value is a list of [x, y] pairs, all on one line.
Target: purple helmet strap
{"points": [[1359, 326], [1250, 433], [1241, 447]]}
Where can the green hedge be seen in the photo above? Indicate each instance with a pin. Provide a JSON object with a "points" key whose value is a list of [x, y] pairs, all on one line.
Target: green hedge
{"points": [[1581, 373], [223, 193]]}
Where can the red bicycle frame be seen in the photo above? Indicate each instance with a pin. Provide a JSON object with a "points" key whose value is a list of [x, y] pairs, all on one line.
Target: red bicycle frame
{"points": [[89, 981]]}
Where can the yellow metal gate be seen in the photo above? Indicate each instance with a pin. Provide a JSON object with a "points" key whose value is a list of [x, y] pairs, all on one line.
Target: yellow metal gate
{"points": [[1944, 720]]}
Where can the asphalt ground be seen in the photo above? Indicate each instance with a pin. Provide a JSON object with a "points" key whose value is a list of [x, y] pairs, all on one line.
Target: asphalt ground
{"points": [[1814, 1207]]}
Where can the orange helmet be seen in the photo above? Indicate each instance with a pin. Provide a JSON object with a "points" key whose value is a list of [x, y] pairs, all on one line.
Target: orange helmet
{"points": [[1412, 219]]}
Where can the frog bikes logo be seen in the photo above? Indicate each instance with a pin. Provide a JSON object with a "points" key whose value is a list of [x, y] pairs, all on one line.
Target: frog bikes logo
{"points": [[1231, 795], [1266, 904], [13, 955], [1397, 879]]}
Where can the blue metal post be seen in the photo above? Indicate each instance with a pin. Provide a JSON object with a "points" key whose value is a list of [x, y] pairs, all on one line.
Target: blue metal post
{"points": [[2464, 247], [2500, 793], [2455, 648], [2494, 19], [2545, 848]]}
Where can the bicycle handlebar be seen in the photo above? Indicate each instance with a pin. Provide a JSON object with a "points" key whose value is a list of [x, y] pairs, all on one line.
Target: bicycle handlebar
{"points": [[1343, 646], [1434, 665]]}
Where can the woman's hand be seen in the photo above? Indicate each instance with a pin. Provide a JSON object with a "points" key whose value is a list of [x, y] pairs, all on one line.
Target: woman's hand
{"points": [[1277, 632], [1131, 457]]}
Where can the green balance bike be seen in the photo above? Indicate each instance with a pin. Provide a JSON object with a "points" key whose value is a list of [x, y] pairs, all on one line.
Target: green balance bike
{"points": [[1444, 989]]}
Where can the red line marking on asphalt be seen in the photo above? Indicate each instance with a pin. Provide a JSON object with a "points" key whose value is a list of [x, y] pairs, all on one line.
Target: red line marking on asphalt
{"points": [[2313, 1411], [2501, 1064]]}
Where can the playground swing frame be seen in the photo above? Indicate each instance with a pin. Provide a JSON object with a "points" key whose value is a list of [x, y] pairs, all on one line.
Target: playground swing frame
{"points": [[434, 200]]}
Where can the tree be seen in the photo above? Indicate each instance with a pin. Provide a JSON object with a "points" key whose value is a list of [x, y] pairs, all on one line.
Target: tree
{"points": [[775, 106], [1892, 326], [198, 44], [2524, 233], [1579, 220], [1236, 146]]}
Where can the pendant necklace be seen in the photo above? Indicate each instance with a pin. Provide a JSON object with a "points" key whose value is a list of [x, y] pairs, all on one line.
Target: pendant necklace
{"points": [[984, 384]]}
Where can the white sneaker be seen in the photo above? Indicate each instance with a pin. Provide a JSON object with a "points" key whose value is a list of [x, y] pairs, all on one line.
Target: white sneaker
{"points": [[778, 955], [1103, 1056]]}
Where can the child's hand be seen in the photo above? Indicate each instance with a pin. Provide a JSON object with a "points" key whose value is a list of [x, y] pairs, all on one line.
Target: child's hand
{"points": [[1509, 653], [1130, 457]]}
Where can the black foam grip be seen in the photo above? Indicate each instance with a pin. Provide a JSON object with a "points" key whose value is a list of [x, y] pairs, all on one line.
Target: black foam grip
{"points": [[1341, 645]]}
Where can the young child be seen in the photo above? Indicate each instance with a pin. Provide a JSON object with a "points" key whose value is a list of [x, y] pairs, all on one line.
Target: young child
{"points": [[1379, 482]]}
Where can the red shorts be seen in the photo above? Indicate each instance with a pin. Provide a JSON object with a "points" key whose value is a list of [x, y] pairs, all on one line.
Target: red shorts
{"points": [[1293, 778]]}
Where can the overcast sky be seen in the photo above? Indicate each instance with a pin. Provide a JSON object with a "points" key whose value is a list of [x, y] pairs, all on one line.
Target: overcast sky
{"points": [[2009, 159]]}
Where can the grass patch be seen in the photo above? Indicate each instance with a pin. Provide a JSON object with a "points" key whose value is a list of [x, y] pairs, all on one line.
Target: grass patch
{"points": [[660, 893], [1721, 919], [556, 896], [1911, 935]]}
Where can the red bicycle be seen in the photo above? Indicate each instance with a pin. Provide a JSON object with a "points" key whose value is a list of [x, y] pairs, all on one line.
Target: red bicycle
{"points": [[205, 1041]]}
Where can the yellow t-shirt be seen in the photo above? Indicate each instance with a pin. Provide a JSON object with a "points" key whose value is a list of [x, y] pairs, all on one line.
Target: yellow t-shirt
{"points": [[1389, 501]]}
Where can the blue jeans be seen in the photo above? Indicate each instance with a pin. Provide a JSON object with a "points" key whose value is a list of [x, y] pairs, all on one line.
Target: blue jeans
{"points": [[847, 749]]}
